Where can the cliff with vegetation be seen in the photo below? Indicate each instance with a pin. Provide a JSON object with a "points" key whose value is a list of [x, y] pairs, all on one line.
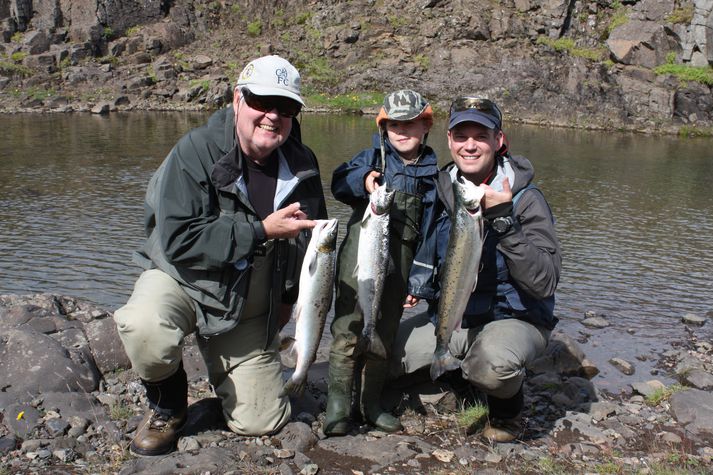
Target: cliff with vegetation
{"points": [[632, 65]]}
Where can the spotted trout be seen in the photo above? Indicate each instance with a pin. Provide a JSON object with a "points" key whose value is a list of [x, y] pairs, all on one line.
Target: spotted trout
{"points": [[460, 270], [313, 302], [373, 265]]}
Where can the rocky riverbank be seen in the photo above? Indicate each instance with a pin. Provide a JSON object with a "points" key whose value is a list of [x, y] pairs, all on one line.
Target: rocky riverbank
{"points": [[642, 65], [69, 404]]}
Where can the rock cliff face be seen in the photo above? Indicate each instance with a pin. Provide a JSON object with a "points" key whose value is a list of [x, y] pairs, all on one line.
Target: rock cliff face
{"points": [[641, 65]]}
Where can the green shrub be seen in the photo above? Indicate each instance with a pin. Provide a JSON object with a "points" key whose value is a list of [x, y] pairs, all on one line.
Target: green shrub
{"points": [[255, 28], [203, 83], [470, 418], [132, 30], [567, 45], [663, 394], [108, 33], [302, 18], [686, 72], [16, 38], [681, 15], [346, 102], [8, 68], [620, 17], [422, 60], [18, 56]]}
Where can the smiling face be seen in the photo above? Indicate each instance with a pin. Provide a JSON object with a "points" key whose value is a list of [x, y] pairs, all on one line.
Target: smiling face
{"points": [[473, 149], [259, 133], [406, 136]]}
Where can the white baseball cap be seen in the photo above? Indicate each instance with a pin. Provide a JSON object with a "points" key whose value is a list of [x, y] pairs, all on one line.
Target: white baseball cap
{"points": [[271, 76]]}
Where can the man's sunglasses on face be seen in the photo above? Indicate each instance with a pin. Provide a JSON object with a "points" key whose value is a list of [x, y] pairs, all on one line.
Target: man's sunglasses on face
{"points": [[285, 107]]}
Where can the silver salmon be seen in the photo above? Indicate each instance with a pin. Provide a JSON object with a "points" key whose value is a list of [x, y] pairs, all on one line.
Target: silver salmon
{"points": [[460, 270], [373, 265], [313, 302]]}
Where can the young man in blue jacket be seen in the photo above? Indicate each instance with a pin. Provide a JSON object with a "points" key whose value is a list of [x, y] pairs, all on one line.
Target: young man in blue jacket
{"points": [[510, 314]]}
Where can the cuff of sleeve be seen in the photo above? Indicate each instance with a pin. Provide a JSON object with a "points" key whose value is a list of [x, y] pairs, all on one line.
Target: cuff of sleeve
{"points": [[498, 211], [259, 232]]}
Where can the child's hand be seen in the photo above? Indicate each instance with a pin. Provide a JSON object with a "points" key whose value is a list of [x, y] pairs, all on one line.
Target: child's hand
{"points": [[411, 301], [370, 183]]}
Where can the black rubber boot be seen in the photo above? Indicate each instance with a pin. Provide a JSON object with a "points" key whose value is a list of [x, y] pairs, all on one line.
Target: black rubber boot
{"points": [[374, 376], [158, 432], [339, 395]]}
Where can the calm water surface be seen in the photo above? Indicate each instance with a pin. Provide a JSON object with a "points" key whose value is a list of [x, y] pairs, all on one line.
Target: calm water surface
{"points": [[633, 214]]}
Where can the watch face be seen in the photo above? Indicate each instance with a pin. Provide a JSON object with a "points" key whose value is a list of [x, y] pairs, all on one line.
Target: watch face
{"points": [[502, 224]]}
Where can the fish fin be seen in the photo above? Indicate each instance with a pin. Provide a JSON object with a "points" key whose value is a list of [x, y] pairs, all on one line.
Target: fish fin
{"points": [[355, 272], [376, 347], [296, 311], [313, 263], [442, 363], [286, 341], [293, 388], [288, 352]]}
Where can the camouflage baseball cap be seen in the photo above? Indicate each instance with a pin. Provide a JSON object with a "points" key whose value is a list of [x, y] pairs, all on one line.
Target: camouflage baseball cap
{"points": [[404, 105]]}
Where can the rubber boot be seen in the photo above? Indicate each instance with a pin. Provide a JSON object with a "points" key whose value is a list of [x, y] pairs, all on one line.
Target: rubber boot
{"points": [[339, 395], [374, 376], [159, 430], [505, 418]]}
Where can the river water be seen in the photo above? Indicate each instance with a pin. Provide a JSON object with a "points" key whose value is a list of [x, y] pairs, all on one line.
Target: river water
{"points": [[634, 215]]}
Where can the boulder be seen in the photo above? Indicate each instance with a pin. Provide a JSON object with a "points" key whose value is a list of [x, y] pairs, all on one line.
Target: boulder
{"points": [[642, 43]]}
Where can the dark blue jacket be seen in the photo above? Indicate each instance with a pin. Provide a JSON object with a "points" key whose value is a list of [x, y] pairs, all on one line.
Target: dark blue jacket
{"points": [[519, 270], [415, 179]]}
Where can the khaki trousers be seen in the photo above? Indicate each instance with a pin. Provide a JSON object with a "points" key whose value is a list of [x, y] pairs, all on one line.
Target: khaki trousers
{"points": [[494, 356], [247, 378]]}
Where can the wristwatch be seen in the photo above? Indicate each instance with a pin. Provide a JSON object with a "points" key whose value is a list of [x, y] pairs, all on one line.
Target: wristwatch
{"points": [[501, 224]]}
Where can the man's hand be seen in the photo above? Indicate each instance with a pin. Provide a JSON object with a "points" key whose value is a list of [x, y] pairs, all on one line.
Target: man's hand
{"points": [[286, 222], [492, 198], [411, 301], [370, 183]]}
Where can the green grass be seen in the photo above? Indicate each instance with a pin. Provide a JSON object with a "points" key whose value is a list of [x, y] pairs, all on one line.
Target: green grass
{"points": [[663, 394], [685, 72], [681, 15], [120, 411], [18, 56], [255, 28], [345, 102], [8, 68], [567, 45], [620, 16], [203, 83], [470, 418], [688, 131]]}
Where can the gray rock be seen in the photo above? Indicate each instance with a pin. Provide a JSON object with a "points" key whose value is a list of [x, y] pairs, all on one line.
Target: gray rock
{"points": [[21, 420], [595, 322], [297, 436], [698, 378], [691, 319], [382, 451], [33, 363], [647, 388], [564, 356], [694, 410], [580, 426], [105, 344], [623, 366], [7, 443]]}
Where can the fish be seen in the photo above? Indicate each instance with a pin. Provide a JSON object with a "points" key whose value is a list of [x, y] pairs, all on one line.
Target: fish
{"points": [[313, 302], [372, 266], [460, 270]]}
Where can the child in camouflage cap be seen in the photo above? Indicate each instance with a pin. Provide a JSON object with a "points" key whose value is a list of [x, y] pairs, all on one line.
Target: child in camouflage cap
{"points": [[400, 160]]}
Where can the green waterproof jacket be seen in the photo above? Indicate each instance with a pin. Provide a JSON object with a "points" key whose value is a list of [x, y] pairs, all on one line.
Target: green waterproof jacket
{"points": [[202, 230]]}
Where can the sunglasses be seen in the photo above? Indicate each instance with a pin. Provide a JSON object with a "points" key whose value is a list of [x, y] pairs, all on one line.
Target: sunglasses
{"points": [[478, 103], [285, 107]]}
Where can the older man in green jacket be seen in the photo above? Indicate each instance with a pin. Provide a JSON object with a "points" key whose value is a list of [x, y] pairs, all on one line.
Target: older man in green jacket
{"points": [[226, 220]]}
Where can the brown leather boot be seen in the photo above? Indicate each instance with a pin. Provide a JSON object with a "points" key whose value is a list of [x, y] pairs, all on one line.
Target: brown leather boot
{"points": [[505, 424], [158, 433], [159, 430], [503, 430]]}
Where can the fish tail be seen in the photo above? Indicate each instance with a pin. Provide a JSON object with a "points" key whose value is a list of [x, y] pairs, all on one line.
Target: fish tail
{"points": [[442, 363], [293, 387], [376, 347]]}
